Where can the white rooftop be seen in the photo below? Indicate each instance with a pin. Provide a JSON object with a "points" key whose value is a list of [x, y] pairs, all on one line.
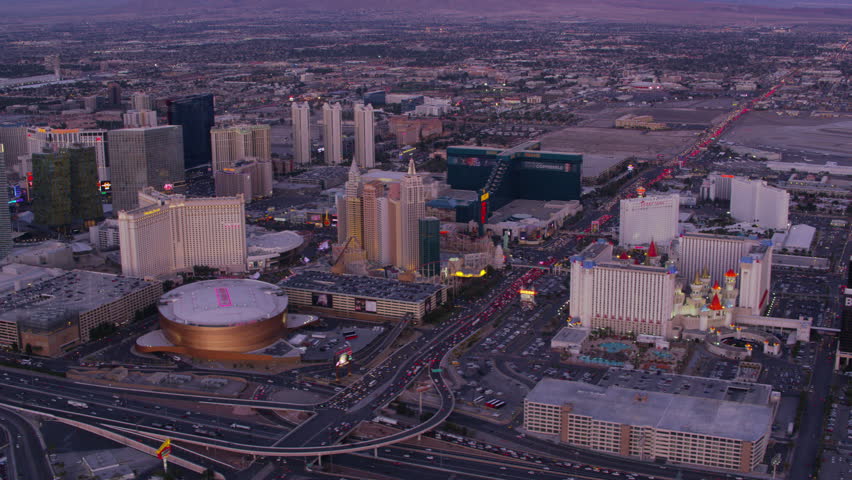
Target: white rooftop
{"points": [[221, 303], [799, 236], [571, 335], [273, 242]]}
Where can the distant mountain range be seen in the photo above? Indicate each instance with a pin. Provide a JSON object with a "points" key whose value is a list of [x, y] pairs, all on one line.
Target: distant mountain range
{"points": [[633, 11]]}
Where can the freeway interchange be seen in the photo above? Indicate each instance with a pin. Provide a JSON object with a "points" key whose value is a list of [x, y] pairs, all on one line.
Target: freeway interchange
{"points": [[116, 409]]}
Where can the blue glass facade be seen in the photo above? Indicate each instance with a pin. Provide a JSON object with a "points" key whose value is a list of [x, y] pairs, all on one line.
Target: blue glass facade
{"points": [[507, 175], [195, 115]]}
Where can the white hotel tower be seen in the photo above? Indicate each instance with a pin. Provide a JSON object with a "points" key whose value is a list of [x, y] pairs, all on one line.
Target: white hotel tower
{"points": [[171, 233], [711, 256], [644, 219], [365, 142], [626, 298], [301, 114], [332, 135], [757, 202]]}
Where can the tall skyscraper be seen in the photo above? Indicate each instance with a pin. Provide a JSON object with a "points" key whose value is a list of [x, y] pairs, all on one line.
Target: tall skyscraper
{"points": [[365, 146], [13, 136], [171, 233], [46, 138], [65, 187], [5, 223], [195, 114], [412, 209], [644, 219], [350, 205], [114, 94], [141, 101], [625, 298], [711, 255], [430, 246], [371, 193], [301, 114], [143, 157], [386, 225], [232, 144], [332, 136], [755, 278], [757, 202]]}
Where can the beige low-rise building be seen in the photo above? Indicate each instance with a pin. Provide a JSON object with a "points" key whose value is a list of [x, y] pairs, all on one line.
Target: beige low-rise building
{"points": [[54, 315], [645, 122]]}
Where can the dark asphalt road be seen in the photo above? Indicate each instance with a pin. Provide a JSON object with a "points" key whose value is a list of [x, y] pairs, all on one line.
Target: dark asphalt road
{"points": [[29, 459], [810, 428]]}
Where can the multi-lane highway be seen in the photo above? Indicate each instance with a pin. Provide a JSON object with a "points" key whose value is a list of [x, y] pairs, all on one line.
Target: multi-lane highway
{"points": [[24, 458]]}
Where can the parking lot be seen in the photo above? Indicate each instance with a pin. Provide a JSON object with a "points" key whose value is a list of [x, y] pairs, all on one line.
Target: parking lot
{"points": [[837, 456]]}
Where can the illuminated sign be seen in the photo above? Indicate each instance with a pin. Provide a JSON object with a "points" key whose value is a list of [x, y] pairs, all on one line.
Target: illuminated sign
{"points": [[343, 360], [168, 187], [483, 212], [484, 197], [223, 297], [149, 212], [527, 292], [165, 449], [105, 187], [364, 305], [322, 300], [343, 357], [228, 170], [30, 179], [469, 275]]}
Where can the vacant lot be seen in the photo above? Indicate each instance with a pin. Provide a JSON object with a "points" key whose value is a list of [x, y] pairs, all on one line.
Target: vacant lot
{"points": [[797, 138], [602, 147]]}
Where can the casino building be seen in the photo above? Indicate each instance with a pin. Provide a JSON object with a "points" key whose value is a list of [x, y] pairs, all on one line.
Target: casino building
{"points": [[523, 172], [218, 319]]}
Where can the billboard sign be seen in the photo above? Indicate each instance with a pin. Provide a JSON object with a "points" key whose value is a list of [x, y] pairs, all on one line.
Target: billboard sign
{"points": [[364, 305], [321, 300], [343, 357]]}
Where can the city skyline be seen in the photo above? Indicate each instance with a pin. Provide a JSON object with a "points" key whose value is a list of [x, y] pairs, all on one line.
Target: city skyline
{"points": [[425, 240]]}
